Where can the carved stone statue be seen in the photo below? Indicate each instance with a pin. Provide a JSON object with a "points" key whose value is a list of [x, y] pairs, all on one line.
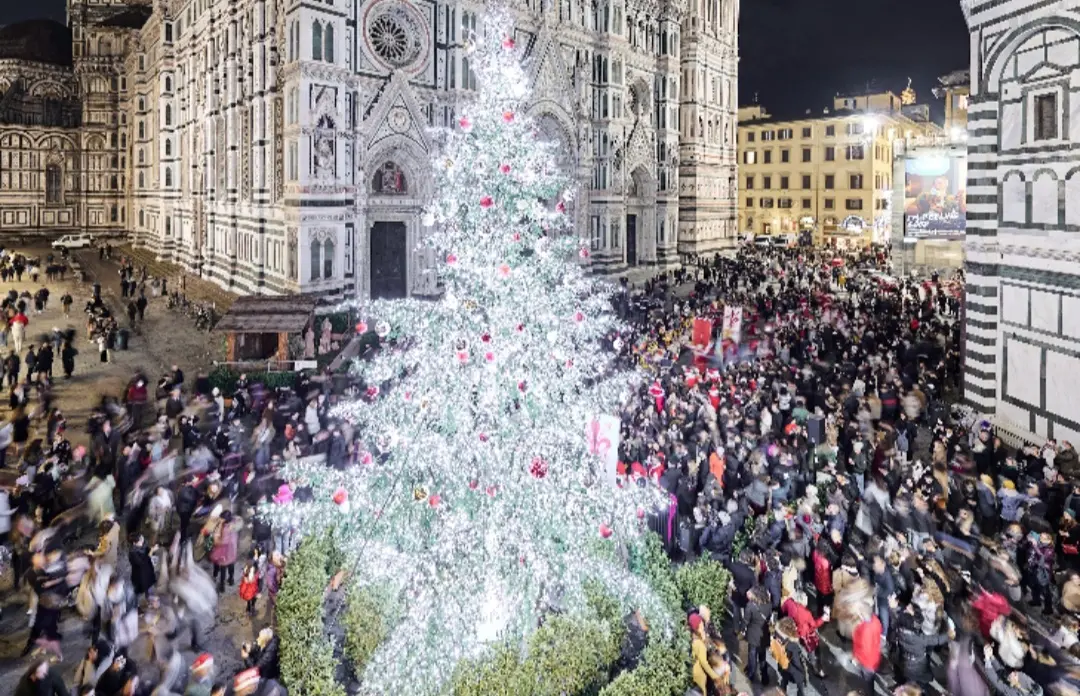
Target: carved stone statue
{"points": [[325, 338], [324, 158], [309, 344]]}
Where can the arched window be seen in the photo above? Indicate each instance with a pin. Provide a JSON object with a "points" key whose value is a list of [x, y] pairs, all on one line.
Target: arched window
{"points": [[123, 140], [142, 131], [168, 83], [142, 182], [142, 219], [114, 162], [52, 183], [294, 41], [168, 225], [316, 41], [112, 140], [328, 258], [114, 214], [114, 183], [316, 258], [168, 115], [142, 156], [328, 51], [389, 179], [168, 148], [168, 177]]}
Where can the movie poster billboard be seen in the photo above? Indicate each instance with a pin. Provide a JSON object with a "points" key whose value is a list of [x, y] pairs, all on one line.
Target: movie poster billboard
{"points": [[935, 203]]}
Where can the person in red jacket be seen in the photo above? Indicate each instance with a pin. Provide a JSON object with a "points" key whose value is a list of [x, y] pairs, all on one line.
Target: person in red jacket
{"points": [[795, 607], [866, 649], [825, 557]]}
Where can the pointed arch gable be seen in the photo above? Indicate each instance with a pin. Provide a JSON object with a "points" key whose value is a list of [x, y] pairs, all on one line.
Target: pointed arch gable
{"points": [[549, 75], [397, 93]]}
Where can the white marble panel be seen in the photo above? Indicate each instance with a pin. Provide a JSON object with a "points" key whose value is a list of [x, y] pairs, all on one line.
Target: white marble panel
{"points": [[1070, 316], [1061, 433], [1040, 426], [1072, 185], [1062, 384], [1044, 311], [1023, 372], [1014, 304], [1044, 200], [1010, 412], [1010, 126]]}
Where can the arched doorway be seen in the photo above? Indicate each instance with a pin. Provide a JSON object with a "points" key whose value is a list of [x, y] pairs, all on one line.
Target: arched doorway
{"points": [[388, 252], [640, 218]]}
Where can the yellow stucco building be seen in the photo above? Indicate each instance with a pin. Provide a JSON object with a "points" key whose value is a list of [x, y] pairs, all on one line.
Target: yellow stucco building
{"points": [[829, 175]]}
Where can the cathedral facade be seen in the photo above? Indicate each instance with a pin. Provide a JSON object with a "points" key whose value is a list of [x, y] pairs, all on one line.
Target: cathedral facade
{"points": [[280, 146]]}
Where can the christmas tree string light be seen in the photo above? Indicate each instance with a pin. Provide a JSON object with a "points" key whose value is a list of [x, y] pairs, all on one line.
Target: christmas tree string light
{"points": [[477, 500]]}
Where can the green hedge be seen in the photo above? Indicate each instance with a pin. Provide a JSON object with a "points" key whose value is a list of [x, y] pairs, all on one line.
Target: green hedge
{"points": [[308, 665], [705, 582], [664, 669], [565, 656], [367, 621], [225, 379], [650, 562]]}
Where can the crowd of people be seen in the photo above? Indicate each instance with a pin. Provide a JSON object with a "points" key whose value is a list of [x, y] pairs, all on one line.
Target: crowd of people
{"points": [[819, 461], [814, 456]]}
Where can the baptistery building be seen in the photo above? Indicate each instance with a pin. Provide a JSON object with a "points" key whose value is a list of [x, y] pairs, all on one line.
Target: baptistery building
{"points": [[284, 146]]}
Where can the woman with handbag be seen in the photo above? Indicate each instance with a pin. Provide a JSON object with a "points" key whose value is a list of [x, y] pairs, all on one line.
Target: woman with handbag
{"points": [[223, 554]]}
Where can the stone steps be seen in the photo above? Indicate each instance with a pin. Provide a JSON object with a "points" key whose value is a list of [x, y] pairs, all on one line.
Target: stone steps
{"points": [[197, 289]]}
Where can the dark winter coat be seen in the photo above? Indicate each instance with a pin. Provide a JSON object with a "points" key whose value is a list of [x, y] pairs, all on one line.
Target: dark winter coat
{"points": [[915, 648], [757, 624], [143, 575]]}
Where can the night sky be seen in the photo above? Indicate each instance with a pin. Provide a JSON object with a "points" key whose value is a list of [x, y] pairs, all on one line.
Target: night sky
{"points": [[796, 54]]}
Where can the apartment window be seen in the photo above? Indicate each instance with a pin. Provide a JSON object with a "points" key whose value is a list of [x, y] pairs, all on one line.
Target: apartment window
{"points": [[766, 182], [749, 157], [855, 152], [749, 136], [830, 181], [768, 156], [785, 155], [784, 181], [784, 134], [749, 202], [806, 154], [830, 154], [768, 135], [855, 129], [749, 182], [766, 202], [830, 131], [828, 204], [853, 204], [806, 204], [1046, 117], [855, 181], [784, 203], [806, 181], [806, 132]]}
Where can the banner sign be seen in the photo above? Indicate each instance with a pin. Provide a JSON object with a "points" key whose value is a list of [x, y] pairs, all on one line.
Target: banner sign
{"points": [[702, 335], [733, 324], [602, 440], [935, 196]]}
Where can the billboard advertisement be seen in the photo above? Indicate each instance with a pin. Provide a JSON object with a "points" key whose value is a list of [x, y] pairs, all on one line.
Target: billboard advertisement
{"points": [[935, 204]]}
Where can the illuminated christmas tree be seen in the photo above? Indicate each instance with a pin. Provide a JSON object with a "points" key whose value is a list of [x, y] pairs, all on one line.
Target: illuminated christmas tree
{"points": [[481, 500]]}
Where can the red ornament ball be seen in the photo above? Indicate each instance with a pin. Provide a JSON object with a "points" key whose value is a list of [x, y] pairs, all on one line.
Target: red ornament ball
{"points": [[560, 207], [538, 468], [491, 490], [361, 328], [451, 259], [463, 356], [522, 386], [508, 116], [483, 437], [366, 458], [508, 44], [505, 168], [640, 513], [434, 500], [486, 338], [341, 496], [486, 202], [584, 253], [372, 392], [489, 356], [579, 317], [465, 124], [520, 328], [474, 484], [504, 270], [606, 531]]}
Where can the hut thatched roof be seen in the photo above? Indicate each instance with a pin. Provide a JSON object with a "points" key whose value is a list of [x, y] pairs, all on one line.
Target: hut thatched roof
{"points": [[266, 314]]}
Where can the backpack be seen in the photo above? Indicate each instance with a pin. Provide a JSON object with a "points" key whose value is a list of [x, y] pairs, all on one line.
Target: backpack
{"points": [[779, 654], [902, 441]]}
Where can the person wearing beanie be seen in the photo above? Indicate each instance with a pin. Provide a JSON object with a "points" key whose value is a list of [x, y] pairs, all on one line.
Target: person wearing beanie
{"points": [[201, 682], [699, 649]]}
